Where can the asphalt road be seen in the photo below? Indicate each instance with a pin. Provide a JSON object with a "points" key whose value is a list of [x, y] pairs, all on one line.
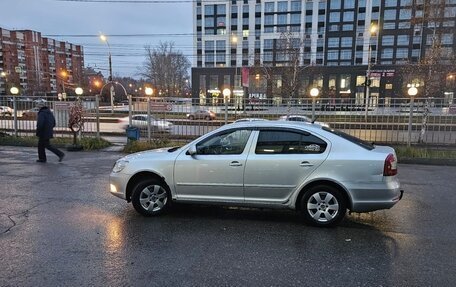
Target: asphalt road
{"points": [[59, 226]]}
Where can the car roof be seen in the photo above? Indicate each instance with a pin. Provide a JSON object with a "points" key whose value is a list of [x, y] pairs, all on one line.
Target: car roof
{"points": [[277, 124]]}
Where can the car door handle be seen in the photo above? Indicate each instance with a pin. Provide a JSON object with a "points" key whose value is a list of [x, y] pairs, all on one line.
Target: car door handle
{"points": [[305, 163], [235, 163]]}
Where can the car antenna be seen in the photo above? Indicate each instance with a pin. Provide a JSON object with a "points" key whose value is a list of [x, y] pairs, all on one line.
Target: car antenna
{"points": [[313, 121]]}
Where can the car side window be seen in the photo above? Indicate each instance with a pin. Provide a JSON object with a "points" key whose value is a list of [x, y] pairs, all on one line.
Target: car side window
{"points": [[288, 142], [231, 142]]}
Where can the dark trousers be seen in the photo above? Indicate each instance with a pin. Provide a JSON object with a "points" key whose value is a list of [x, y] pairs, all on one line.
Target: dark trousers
{"points": [[45, 144]]}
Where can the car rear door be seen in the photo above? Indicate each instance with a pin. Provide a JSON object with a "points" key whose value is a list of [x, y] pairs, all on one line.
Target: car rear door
{"points": [[279, 161]]}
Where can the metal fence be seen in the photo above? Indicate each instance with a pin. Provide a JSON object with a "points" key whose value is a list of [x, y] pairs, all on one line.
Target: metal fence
{"points": [[391, 121]]}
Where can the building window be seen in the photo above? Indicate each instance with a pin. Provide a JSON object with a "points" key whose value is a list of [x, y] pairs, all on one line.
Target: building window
{"points": [[282, 6], [269, 20], [405, 14], [209, 45], [403, 40], [349, 4], [406, 3], [333, 42], [269, 7], [345, 54], [296, 6], [387, 53], [335, 4], [221, 9], [390, 3], [334, 17], [347, 27], [281, 19], [208, 9], [388, 40], [390, 14], [447, 39], [245, 33], [268, 44], [349, 16], [221, 45], [404, 25], [295, 19], [345, 80], [333, 55], [346, 41], [389, 25], [402, 53]]}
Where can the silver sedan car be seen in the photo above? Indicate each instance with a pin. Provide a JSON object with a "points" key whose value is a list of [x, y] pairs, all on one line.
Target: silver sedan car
{"points": [[315, 170], [141, 121]]}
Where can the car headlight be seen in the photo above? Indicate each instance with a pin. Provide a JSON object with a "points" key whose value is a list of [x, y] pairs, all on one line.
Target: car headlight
{"points": [[120, 165]]}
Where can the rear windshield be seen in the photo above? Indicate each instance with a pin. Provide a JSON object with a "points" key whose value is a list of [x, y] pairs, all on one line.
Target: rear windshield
{"points": [[350, 138]]}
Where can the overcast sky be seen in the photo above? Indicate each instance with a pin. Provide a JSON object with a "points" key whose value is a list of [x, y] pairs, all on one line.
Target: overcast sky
{"points": [[65, 18]]}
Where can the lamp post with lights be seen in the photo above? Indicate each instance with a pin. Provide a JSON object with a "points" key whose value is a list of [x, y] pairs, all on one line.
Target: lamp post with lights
{"points": [[314, 94], [373, 30], [412, 91], [105, 39], [14, 91]]}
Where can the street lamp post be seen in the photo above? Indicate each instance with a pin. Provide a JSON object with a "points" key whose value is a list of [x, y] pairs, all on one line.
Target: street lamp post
{"points": [[412, 91], [226, 96], [373, 30], [14, 91], [105, 39], [314, 94], [149, 92]]}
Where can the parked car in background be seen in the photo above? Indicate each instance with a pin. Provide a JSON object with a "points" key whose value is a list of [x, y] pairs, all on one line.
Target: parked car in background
{"points": [[202, 114], [30, 114], [301, 118], [6, 111], [315, 170], [141, 121]]}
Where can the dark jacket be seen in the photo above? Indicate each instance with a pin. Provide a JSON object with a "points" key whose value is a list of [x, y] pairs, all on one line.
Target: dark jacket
{"points": [[45, 123]]}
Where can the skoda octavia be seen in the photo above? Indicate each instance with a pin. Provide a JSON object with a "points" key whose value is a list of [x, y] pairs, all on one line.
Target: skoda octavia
{"points": [[317, 171]]}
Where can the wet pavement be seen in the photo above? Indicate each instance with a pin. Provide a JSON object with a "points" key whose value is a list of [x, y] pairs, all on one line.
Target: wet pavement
{"points": [[59, 226]]}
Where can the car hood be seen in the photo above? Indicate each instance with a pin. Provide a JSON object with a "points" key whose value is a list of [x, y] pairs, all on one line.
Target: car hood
{"points": [[160, 153]]}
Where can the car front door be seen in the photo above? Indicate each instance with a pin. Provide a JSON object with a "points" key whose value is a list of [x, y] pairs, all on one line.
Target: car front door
{"points": [[279, 162], [216, 171]]}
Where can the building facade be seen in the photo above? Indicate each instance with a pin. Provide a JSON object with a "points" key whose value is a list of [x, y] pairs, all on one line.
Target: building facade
{"points": [[38, 65], [257, 48]]}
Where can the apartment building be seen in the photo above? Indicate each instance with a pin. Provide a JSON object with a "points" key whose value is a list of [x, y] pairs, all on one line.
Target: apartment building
{"points": [[38, 65], [338, 46]]}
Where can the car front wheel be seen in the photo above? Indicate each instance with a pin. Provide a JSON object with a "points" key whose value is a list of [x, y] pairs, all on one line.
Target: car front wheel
{"points": [[150, 197], [323, 205]]}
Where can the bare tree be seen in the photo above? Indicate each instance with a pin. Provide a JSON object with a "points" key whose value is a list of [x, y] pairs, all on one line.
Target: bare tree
{"points": [[166, 68]]}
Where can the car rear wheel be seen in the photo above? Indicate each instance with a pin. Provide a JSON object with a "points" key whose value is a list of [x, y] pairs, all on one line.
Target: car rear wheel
{"points": [[323, 205], [191, 117], [150, 197]]}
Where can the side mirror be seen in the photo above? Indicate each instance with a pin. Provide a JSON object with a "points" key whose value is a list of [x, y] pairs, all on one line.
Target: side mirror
{"points": [[191, 151]]}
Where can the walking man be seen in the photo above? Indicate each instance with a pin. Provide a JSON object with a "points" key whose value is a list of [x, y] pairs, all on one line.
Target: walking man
{"points": [[45, 131]]}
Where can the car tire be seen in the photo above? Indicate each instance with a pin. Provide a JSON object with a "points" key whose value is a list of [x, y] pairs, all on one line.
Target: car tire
{"points": [[191, 118], [323, 206], [207, 118], [151, 197]]}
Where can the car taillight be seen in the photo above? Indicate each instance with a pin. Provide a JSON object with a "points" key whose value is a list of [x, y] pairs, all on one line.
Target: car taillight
{"points": [[390, 168]]}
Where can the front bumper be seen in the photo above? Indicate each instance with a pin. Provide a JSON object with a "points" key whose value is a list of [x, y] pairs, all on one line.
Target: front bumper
{"points": [[118, 184]]}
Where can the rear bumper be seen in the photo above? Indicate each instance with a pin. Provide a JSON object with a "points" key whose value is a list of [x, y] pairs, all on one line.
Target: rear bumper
{"points": [[383, 196]]}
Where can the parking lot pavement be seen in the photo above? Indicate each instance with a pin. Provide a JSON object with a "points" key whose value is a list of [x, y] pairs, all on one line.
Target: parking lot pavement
{"points": [[60, 227]]}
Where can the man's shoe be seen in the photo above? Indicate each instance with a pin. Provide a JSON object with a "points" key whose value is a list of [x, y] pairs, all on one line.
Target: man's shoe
{"points": [[61, 157], [40, 160]]}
